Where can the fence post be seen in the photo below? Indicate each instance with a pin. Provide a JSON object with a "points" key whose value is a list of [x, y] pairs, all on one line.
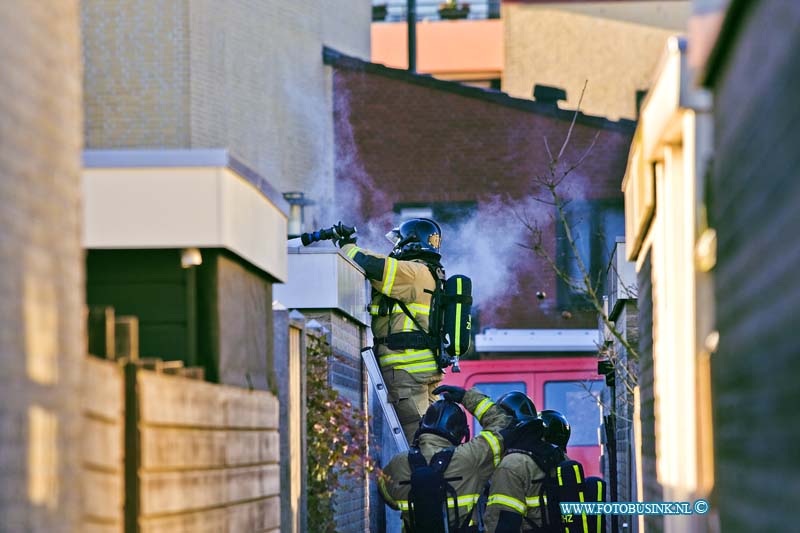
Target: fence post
{"points": [[133, 453]]}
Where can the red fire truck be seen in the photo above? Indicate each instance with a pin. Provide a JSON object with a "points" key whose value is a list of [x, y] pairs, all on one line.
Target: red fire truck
{"points": [[554, 380]]}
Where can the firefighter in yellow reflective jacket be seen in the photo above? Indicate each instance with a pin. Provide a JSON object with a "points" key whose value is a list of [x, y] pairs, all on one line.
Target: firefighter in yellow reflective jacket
{"points": [[404, 278], [444, 426], [514, 503]]}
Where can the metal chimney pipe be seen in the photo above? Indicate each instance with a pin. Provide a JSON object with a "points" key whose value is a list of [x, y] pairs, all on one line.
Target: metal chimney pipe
{"points": [[411, 19]]}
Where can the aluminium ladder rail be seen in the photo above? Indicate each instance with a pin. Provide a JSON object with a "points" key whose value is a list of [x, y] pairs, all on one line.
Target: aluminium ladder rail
{"points": [[376, 378]]}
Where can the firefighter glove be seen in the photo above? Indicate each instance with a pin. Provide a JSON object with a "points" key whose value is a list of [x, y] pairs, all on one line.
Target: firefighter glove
{"points": [[345, 240], [344, 234], [451, 393]]}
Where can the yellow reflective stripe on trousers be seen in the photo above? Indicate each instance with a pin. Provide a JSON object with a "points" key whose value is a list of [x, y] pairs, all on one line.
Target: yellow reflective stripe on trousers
{"points": [[419, 367], [410, 356], [495, 445], [508, 501], [388, 276], [463, 501], [351, 253], [484, 406], [458, 318], [577, 473]]}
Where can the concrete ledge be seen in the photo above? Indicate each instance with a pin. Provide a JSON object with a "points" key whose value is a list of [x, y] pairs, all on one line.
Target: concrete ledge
{"points": [[208, 157], [130, 202]]}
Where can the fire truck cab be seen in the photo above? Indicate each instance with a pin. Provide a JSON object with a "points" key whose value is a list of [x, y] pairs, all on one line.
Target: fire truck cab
{"points": [[554, 368]]}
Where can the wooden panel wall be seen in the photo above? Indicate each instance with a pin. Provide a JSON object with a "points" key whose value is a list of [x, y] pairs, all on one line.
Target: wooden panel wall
{"points": [[103, 450], [209, 456]]}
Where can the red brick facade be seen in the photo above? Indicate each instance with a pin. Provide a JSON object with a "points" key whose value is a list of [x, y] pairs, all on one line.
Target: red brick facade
{"points": [[419, 140]]}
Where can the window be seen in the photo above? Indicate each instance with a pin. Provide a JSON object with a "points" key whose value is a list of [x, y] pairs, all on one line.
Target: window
{"points": [[595, 226], [494, 391], [452, 217], [577, 401], [445, 213]]}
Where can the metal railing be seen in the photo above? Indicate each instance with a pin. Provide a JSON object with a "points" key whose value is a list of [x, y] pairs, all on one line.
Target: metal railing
{"points": [[429, 10]]}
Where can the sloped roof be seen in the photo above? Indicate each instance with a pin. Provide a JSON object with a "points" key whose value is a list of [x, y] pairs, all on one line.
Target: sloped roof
{"points": [[338, 60]]}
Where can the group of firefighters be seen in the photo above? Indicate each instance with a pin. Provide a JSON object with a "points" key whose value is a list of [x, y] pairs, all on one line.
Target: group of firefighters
{"points": [[492, 482]]}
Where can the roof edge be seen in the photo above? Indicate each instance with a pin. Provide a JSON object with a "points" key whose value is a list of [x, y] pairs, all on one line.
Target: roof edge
{"points": [[334, 58]]}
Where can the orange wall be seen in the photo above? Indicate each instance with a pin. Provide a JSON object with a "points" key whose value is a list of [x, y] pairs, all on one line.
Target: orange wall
{"points": [[462, 46]]}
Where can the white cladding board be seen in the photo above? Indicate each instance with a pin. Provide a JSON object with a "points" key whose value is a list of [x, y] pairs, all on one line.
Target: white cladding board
{"points": [[321, 278], [537, 340], [177, 207]]}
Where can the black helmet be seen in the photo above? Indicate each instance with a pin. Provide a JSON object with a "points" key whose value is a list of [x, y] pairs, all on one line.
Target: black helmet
{"points": [[518, 405], [446, 419], [557, 430], [418, 237]]}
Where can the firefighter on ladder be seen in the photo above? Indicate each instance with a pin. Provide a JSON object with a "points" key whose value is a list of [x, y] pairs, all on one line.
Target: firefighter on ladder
{"points": [[404, 353]]}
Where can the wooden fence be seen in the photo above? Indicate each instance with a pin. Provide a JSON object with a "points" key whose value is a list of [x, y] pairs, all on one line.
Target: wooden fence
{"points": [[103, 450], [197, 456]]}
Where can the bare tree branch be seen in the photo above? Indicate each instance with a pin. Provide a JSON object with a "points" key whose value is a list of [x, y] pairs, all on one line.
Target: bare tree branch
{"points": [[572, 124], [547, 147], [618, 350]]}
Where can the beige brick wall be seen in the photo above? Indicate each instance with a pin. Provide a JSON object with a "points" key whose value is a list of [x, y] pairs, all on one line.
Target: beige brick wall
{"points": [[615, 45], [41, 266], [245, 75], [136, 78]]}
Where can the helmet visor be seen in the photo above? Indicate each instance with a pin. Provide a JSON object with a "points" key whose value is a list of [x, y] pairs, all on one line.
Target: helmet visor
{"points": [[394, 236]]}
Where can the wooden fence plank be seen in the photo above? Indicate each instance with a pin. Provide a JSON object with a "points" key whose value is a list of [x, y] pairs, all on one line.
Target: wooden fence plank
{"points": [[253, 482], [255, 516], [174, 400], [251, 447], [102, 444], [165, 448], [100, 331], [126, 337], [250, 516], [103, 496], [173, 492], [212, 521], [98, 527], [250, 409], [103, 388], [102, 441]]}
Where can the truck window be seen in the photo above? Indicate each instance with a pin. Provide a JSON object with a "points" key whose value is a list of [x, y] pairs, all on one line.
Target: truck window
{"points": [[577, 401], [494, 391]]}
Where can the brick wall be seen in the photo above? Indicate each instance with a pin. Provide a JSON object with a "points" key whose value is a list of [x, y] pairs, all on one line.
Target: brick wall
{"points": [[627, 324], [755, 193], [41, 286], [404, 139], [242, 74], [345, 374], [614, 45], [651, 489]]}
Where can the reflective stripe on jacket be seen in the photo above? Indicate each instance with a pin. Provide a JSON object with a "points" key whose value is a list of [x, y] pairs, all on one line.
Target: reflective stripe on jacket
{"points": [[407, 282], [472, 461]]}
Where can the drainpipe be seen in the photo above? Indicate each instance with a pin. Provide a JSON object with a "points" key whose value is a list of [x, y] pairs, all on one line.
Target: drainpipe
{"points": [[411, 19]]}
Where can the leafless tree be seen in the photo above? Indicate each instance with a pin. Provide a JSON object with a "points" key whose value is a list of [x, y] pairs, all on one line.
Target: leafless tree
{"points": [[549, 190]]}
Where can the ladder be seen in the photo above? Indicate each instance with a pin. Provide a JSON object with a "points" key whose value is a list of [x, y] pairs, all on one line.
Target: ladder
{"points": [[376, 378]]}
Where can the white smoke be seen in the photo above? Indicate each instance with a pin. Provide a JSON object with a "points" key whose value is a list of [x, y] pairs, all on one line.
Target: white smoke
{"points": [[489, 246], [485, 243]]}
